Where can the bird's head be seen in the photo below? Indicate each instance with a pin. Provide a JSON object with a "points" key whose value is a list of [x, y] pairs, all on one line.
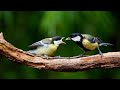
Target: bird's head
{"points": [[76, 37], [57, 40]]}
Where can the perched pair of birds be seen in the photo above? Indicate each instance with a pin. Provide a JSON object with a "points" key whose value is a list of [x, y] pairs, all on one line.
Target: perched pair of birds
{"points": [[48, 46]]}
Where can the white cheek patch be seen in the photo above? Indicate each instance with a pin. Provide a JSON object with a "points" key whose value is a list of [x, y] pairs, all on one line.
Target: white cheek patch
{"points": [[78, 38], [57, 42]]}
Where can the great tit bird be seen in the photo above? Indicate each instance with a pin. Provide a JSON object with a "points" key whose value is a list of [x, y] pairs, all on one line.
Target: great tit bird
{"points": [[87, 42], [46, 46]]}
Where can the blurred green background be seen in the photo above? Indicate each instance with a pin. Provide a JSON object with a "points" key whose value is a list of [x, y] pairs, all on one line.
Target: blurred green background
{"points": [[22, 28]]}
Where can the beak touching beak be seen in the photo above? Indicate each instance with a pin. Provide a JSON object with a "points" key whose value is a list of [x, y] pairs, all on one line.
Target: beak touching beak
{"points": [[68, 38]]}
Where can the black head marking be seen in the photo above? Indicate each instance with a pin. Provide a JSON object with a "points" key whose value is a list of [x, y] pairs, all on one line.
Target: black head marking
{"points": [[56, 38], [75, 34]]}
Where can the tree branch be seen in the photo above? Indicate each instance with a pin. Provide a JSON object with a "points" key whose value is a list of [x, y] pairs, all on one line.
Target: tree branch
{"points": [[109, 60]]}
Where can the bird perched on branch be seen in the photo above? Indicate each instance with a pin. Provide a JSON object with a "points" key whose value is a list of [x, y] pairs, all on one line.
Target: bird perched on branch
{"points": [[87, 42], [46, 46]]}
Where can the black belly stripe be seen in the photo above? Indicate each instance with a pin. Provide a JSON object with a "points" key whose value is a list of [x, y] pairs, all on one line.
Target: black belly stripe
{"points": [[81, 46]]}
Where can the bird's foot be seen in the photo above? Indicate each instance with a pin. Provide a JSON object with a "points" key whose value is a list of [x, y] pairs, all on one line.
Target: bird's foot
{"points": [[57, 57], [45, 56], [101, 54]]}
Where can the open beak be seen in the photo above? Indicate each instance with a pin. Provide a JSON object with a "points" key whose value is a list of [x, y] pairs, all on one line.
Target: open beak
{"points": [[62, 41], [63, 38], [68, 38]]}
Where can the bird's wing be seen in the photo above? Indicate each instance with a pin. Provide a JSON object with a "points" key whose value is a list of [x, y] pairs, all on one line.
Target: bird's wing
{"points": [[47, 40], [36, 44], [98, 40], [40, 43], [88, 37], [92, 38]]}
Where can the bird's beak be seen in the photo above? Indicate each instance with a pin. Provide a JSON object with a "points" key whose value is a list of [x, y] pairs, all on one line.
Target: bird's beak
{"points": [[68, 38], [63, 38], [62, 41]]}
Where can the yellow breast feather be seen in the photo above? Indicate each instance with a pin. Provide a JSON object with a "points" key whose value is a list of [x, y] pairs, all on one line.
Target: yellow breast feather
{"points": [[47, 50], [88, 45]]}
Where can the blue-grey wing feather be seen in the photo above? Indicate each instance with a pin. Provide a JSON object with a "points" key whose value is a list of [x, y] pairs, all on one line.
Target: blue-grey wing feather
{"points": [[40, 43], [36, 44], [92, 38]]}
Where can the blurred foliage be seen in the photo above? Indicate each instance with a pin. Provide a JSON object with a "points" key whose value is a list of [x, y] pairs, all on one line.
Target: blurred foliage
{"points": [[22, 28]]}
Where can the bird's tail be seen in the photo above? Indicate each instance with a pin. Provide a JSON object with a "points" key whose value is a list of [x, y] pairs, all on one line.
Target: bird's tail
{"points": [[105, 44]]}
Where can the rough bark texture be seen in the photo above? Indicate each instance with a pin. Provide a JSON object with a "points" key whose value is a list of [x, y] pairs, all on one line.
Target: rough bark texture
{"points": [[65, 64]]}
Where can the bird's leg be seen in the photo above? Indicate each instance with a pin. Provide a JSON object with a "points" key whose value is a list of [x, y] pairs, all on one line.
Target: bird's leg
{"points": [[100, 52], [45, 56]]}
